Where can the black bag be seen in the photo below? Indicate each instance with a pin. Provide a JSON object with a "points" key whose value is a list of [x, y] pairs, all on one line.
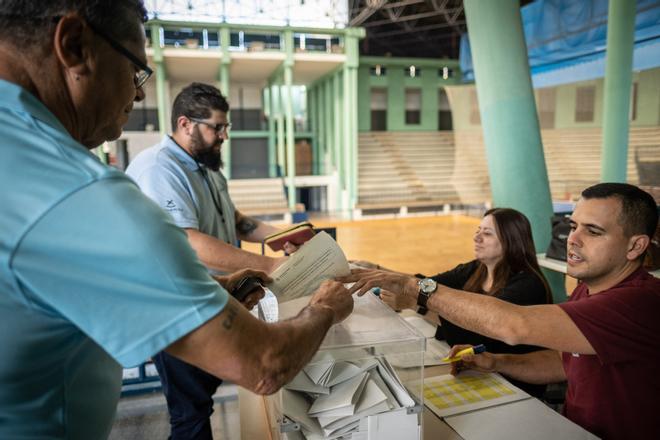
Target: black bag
{"points": [[561, 227]]}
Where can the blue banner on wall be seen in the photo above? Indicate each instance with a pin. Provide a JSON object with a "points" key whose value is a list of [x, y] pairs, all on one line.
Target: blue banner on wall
{"points": [[566, 40]]}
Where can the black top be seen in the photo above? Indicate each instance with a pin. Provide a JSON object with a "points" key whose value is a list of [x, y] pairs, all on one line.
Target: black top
{"points": [[522, 288]]}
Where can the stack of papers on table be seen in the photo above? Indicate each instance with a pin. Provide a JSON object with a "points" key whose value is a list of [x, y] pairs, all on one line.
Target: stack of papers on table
{"points": [[330, 398]]}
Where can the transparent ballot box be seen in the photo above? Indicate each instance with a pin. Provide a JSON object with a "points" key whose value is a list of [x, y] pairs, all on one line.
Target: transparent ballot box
{"points": [[365, 382]]}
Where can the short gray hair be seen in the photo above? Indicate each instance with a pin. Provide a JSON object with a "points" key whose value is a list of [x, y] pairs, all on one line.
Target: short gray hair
{"points": [[25, 23]]}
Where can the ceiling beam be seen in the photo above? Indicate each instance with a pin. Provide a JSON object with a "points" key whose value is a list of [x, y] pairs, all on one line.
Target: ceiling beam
{"points": [[404, 18], [372, 7], [405, 31]]}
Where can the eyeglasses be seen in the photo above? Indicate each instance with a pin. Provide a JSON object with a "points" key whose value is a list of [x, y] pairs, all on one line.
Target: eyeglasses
{"points": [[144, 71], [218, 128]]}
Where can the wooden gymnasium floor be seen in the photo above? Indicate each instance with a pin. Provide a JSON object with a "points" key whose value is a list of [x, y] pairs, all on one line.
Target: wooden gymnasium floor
{"points": [[425, 245], [416, 244]]}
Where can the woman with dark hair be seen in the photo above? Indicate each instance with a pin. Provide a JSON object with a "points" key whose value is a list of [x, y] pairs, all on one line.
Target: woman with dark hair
{"points": [[505, 266]]}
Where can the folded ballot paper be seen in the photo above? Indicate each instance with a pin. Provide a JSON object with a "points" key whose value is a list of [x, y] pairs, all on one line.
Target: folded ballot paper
{"points": [[331, 398], [317, 260]]}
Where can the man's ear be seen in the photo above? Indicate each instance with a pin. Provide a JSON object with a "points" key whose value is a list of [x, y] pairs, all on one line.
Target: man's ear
{"points": [[637, 245], [72, 44], [184, 125]]}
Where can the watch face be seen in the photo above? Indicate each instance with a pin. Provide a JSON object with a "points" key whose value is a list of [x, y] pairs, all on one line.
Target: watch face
{"points": [[427, 285]]}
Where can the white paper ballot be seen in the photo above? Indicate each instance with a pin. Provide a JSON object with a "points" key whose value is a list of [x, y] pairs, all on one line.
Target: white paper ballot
{"points": [[399, 391], [303, 383], [341, 400], [341, 372], [318, 260], [296, 409], [372, 401], [319, 371]]}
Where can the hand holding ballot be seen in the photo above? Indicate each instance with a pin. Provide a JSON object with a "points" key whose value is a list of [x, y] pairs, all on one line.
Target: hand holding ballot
{"points": [[318, 260], [334, 296]]}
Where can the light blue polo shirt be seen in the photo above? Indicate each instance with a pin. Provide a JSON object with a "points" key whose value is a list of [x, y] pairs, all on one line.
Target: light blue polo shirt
{"points": [[192, 194], [92, 275]]}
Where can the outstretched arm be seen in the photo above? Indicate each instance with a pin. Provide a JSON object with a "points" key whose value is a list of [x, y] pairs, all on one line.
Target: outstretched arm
{"points": [[225, 257], [539, 367], [259, 356], [542, 325]]}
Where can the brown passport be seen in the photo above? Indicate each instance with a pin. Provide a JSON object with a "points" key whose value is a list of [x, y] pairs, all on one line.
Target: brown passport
{"points": [[297, 234]]}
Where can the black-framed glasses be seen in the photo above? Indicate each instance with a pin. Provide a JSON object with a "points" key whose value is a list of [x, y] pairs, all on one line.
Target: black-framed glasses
{"points": [[144, 71], [218, 128]]}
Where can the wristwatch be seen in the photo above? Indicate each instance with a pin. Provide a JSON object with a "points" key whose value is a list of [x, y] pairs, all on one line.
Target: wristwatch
{"points": [[427, 287]]}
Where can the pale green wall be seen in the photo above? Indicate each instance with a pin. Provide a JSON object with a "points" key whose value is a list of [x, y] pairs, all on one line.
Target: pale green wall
{"points": [[648, 98], [565, 105], [648, 103], [364, 99], [396, 82]]}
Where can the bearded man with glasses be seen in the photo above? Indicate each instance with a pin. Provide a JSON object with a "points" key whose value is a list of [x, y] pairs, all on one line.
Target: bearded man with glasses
{"points": [[93, 275], [182, 175]]}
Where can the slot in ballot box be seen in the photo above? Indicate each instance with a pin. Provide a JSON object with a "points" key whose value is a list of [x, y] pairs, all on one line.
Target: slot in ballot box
{"points": [[363, 383]]}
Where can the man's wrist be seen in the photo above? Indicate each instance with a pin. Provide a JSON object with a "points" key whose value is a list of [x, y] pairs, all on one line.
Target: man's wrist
{"points": [[411, 288], [323, 310]]}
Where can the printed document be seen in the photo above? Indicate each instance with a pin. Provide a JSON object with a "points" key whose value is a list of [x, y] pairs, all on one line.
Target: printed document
{"points": [[318, 260]]}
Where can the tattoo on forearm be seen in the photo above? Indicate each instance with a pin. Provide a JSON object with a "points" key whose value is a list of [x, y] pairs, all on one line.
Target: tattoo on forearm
{"points": [[231, 315], [246, 225]]}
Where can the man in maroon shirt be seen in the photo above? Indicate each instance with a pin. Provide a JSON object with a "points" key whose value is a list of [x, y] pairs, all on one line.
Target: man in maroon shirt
{"points": [[605, 341]]}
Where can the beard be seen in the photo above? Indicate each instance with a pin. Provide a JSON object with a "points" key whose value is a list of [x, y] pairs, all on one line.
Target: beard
{"points": [[207, 155]]}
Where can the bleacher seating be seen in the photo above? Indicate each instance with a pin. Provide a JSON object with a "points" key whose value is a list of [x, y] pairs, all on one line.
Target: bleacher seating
{"points": [[399, 169], [259, 197], [405, 169]]}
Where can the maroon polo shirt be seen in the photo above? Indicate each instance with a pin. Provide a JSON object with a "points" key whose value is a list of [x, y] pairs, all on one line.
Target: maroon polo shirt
{"points": [[615, 393]]}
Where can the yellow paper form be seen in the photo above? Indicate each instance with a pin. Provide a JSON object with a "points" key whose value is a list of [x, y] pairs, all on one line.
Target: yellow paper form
{"points": [[447, 395]]}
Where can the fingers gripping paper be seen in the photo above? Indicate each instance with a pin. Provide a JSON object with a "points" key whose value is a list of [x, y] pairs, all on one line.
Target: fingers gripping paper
{"points": [[318, 260]]}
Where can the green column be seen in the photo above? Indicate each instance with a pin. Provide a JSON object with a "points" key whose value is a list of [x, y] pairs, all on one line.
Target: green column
{"points": [[288, 116], [354, 134], [338, 137], [161, 77], [329, 122], [313, 126], [346, 131], [618, 81], [518, 175], [321, 128], [281, 147], [350, 95], [224, 88], [272, 150]]}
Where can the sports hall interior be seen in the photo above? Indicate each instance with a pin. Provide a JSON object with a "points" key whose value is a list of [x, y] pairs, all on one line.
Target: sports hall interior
{"points": [[395, 128]]}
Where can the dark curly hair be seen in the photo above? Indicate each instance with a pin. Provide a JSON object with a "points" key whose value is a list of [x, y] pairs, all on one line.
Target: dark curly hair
{"points": [[197, 100]]}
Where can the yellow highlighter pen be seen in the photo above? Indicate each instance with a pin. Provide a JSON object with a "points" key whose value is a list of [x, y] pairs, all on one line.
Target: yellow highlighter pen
{"points": [[470, 350]]}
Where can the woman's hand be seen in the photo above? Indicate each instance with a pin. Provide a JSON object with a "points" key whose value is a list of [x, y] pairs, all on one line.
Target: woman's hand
{"points": [[366, 279], [397, 301]]}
